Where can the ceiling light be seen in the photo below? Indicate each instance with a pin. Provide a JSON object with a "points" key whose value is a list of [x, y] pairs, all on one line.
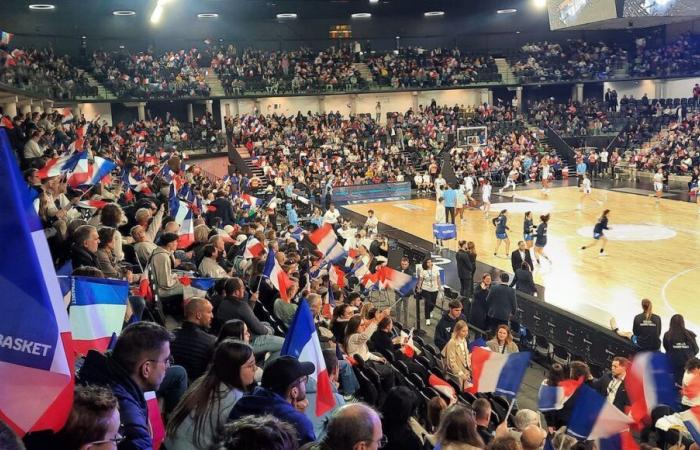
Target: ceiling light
{"points": [[374, 1], [506, 11], [42, 6], [124, 13], [121, 47], [207, 15], [434, 13], [361, 15], [540, 3], [286, 16]]}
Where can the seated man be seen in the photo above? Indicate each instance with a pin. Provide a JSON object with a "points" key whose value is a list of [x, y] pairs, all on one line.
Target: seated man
{"points": [[209, 267], [282, 393], [193, 347]]}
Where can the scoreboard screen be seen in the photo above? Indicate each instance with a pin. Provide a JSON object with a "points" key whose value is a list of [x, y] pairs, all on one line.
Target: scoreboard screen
{"points": [[572, 13]]}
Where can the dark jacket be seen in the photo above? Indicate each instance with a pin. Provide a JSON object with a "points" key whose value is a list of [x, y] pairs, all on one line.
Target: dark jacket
{"points": [[524, 281], [621, 400], [465, 267], [501, 302], [680, 350], [381, 340], [648, 332], [233, 308], [477, 313], [516, 260], [443, 330], [81, 256], [401, 437], [263, 401], [103, 370], [224, 210], [192, 349]]}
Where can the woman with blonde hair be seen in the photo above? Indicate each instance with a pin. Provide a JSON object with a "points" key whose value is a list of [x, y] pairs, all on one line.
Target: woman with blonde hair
{"points": [[456, 354], [502, 342]]}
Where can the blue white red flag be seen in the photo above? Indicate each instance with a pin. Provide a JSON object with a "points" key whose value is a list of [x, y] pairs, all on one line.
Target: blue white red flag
{"points": [[101, 168], [402, 283], [36, 347], [251, 202], [336, 275], [620, 441], [203, 284], [60, 165], [691, 420], [498, 372], [593, 417], [552, 398], [278, 277], [81, 173], [324, 238], [96, 313], [182, 214], [649, 383], [302, 343], [253, 248]]}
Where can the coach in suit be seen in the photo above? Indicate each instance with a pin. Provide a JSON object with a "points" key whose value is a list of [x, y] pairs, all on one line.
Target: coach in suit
{"points": [[612, 385], [501, 303], [519, 255]]}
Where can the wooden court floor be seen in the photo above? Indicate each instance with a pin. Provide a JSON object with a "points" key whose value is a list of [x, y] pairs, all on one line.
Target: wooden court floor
{"points": [[654, 249]]}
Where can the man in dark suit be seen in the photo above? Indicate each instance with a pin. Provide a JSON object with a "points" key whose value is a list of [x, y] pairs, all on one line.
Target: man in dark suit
{"points": [[501, 303], [519, 255], [612, 385]]}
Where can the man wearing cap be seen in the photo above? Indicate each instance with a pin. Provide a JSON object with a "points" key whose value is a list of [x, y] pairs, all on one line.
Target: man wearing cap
{"points": [[282, 393]]}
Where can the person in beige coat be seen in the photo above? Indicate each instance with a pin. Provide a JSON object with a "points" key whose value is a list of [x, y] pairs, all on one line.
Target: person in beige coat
{"points": [[456, 354], [502, 342]]}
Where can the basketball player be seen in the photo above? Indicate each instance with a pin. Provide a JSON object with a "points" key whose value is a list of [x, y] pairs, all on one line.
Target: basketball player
{"points": [[461, 200], [586, 188], [658, 184], [598, 235], [420, 187], [528, 230], [511, 180], [545, 176], [427, 182], [501, 224], [469, 189], [541, 239], [486, 197]]}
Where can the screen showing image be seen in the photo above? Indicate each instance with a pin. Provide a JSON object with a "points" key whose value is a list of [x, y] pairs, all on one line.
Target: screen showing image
{"points": [[643, 8], [571, 13]]}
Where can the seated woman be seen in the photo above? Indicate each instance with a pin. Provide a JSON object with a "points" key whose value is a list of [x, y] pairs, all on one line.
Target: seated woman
{"points": [[205, 406], [399, 426], [457, 430], [383, 340], [456, 354], [502, 342], [357, 334]]}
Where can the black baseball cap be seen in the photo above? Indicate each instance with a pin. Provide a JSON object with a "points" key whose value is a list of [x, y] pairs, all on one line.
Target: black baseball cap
{"points": [[280, 373]]}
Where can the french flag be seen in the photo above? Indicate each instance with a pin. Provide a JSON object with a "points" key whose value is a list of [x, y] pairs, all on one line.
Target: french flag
{"points": [[335, 254], [36, 351], [184, 217], [81, 173], [594, 417], [203, 284], [278, 277], [620, 441], [691, 420], [60, 165], [250, 201], [101, 168], [400, 282], [302, 343], [442, 386], [91, 204], [253, 248], [96, 312], [337, 276], [155, 419], [649, 383], [324, 238], [552, 398], [498, 372]]}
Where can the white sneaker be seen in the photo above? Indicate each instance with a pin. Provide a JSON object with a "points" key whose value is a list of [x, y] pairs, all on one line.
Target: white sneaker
{"points": [[602, 254], [427, 322]]}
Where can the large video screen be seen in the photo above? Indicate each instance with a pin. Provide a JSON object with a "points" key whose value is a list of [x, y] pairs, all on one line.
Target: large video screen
{"points": [[644, 8], [571, 13]]}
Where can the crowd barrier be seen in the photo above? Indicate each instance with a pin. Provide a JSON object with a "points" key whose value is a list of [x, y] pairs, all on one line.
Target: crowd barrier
{"points": [[370, 192]]}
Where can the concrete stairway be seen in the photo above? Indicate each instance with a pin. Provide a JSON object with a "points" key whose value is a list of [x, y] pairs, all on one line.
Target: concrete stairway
{"points": [[365, 73], [255, 170], [102, 92], [217, 90], [505, 70]]}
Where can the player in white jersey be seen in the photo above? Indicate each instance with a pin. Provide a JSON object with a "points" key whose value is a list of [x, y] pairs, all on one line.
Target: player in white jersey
{"points": [[469, 189], [419, 183], [586, 188], [546, 174], [510, 181], [658, 184], [427, 182], [486, 197]]}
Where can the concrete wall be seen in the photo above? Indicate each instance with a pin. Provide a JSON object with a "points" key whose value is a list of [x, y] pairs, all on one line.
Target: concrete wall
{"points": [[92, 110], [364, 103], [678, 88]]}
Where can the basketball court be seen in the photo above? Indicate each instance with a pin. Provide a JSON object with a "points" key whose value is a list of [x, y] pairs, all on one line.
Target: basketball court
{"points": [[652, 249]]}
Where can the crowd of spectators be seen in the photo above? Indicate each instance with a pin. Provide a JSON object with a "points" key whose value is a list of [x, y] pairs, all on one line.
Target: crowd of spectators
{"points": [[43, 72], [173, 74], [279, 72], [680, 57], [587, 118], [215, 361], [417, 67]]}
